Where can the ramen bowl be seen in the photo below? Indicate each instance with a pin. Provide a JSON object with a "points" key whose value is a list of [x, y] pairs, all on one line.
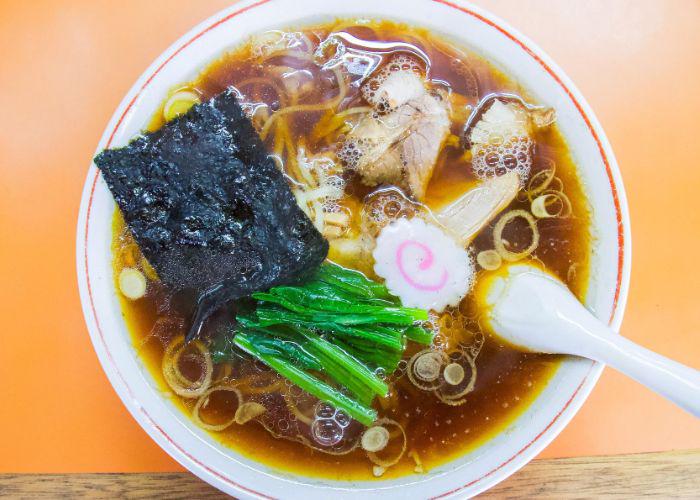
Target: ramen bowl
{"points": [[470, 473]]}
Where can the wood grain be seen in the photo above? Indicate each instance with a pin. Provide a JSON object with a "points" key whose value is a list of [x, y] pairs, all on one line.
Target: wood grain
{"points": [[671, 474], [674, 474]]}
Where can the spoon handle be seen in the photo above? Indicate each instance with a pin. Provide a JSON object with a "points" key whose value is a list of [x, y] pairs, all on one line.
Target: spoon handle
{"points": [[677, 382]]}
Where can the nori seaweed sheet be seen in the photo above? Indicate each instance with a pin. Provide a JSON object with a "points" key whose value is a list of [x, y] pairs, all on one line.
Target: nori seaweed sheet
{"points": [[209, 209]]}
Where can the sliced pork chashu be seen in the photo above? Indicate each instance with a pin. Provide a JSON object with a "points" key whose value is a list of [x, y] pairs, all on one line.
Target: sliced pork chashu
{"points": [[399, 142], [501, 139], [500, 136]]}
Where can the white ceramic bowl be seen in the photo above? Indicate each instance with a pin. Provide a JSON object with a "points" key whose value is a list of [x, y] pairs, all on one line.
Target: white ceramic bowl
{"points": [[472, 472]]}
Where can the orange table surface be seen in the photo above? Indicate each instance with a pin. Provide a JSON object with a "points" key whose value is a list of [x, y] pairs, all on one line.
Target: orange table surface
{"points": [[66, 65]]}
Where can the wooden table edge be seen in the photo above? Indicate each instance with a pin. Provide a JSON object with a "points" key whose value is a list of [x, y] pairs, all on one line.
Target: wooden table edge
{"points": [[667, 474]]}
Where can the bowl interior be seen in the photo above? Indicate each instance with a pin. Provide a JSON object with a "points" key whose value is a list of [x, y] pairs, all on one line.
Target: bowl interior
{"points": [[469, 474]]}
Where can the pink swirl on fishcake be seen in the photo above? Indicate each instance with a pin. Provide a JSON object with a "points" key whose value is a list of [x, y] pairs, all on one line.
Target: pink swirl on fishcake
{"points": [[425, 264], [422, 265]]}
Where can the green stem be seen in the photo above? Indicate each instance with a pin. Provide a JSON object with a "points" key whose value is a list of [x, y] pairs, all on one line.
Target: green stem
{"points": [[354, 368], [311, 384]]}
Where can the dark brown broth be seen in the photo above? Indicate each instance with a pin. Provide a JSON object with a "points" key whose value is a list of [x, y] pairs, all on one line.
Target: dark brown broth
{"points": [[507, 380]]}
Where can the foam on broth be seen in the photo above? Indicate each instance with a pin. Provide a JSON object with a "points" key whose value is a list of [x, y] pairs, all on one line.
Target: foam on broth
{"points": [[508, 381]]}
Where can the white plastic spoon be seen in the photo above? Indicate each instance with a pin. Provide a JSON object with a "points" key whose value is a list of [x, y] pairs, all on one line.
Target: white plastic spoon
{"points": [[536, 312]]}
